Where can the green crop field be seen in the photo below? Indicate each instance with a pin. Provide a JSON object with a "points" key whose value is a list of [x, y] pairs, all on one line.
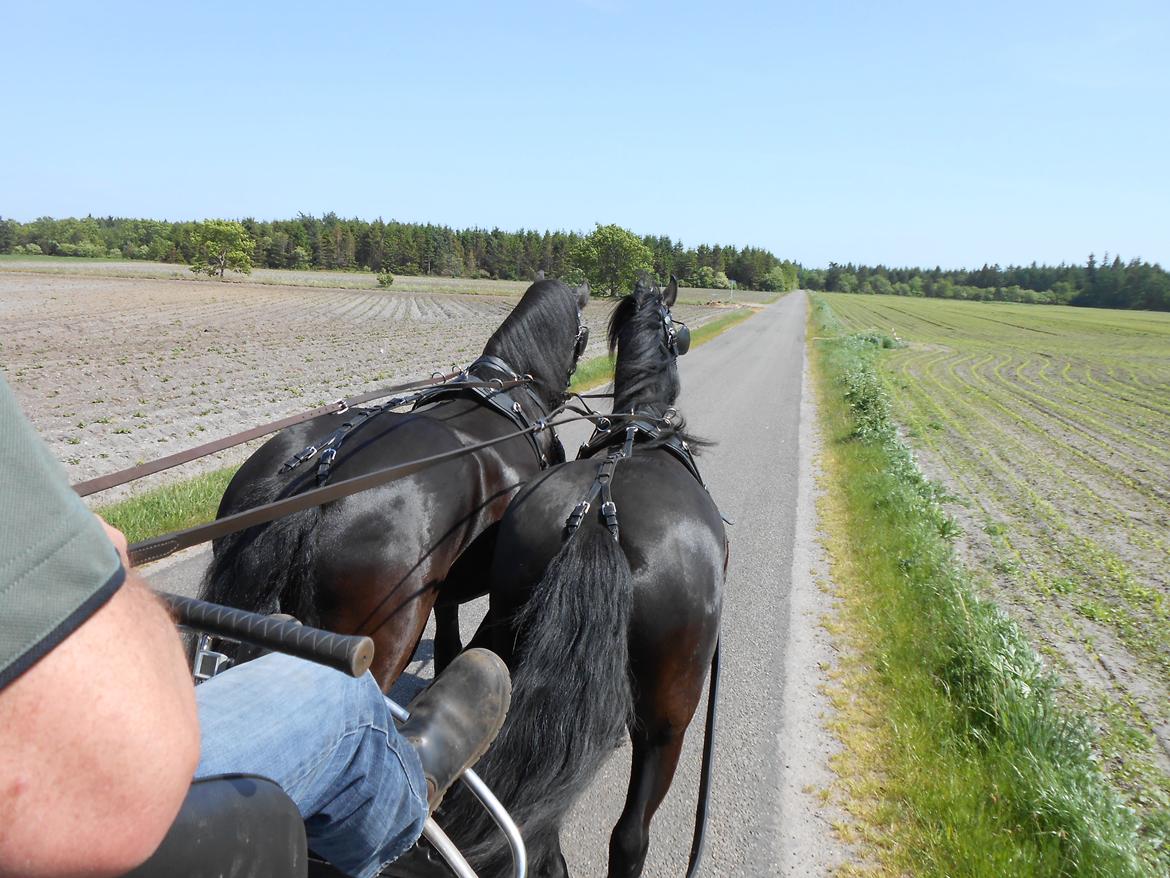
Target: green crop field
{"points": [[1051, 428]]}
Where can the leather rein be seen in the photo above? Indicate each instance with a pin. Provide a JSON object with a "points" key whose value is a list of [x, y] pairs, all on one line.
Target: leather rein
{"points": [[121, 477]]}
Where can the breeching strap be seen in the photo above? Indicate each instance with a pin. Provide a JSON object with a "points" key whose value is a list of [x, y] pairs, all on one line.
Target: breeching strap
{"points": [[101, 483], [601, 491]]}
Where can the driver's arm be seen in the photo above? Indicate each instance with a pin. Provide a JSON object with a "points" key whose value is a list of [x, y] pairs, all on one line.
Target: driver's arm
{"points": [[98, 732]]}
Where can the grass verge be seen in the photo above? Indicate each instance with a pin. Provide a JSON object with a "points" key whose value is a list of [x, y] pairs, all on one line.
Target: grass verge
{"points": [[599, 370], [958, 761], [194, 501], [170, 507]]}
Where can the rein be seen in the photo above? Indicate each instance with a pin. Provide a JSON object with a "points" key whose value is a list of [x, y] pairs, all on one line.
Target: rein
{"points": [[165, 545], [121, 477]]}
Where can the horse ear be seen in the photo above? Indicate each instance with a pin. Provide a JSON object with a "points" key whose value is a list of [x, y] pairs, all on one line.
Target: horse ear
{"points": [[671, 293], [539, 275], [582, 295]]}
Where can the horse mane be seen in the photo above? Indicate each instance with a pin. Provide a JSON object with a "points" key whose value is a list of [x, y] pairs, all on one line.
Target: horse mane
{"points": [[536, 338], [645, 375]]}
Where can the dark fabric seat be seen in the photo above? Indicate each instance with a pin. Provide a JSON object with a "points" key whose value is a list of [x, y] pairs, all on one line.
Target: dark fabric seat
{"points": [[241, 826]]}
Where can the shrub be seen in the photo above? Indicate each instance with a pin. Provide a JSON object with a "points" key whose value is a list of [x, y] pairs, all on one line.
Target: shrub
{"points": [[385, 279]]}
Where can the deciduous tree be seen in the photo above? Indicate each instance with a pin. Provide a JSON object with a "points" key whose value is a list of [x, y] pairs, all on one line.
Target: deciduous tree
{"points": [[611, 259], [221, 245]]}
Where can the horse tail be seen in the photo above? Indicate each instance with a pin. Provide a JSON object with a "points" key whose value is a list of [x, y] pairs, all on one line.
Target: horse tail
{"points": [[267, 568], [571, 699]]}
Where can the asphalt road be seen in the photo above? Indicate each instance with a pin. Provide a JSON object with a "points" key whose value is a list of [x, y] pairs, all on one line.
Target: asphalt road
{"points": [[742, 390]]}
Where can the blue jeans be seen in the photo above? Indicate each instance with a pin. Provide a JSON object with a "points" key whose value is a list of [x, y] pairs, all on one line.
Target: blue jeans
{"points": [[330, 742]]}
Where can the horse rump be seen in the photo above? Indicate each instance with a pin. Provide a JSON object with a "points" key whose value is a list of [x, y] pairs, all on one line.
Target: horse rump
{"points": [[267, 568], [571, 700]]}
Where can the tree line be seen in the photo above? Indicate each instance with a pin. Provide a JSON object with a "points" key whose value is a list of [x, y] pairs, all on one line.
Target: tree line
{"points": [[1105, 284], [331, 242]]}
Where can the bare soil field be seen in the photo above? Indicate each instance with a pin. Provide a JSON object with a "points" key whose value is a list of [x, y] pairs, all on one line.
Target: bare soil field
{"points": [[114, 371], [349, 280], [1050, 427]]}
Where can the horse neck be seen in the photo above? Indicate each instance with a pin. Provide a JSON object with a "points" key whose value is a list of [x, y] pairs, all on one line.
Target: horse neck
{"points": [[530, 349], [650, 392]]}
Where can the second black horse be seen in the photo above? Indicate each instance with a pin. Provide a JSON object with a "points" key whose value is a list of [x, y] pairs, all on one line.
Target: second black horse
{"points": [[607, 611]]}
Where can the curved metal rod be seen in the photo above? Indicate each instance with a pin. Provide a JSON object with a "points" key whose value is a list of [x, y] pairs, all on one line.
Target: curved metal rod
{"points": [[503, 820], [447, 850], [490, 803]]}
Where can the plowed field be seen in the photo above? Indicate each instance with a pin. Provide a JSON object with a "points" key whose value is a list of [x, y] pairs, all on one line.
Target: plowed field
{"points": [[117, 370]]}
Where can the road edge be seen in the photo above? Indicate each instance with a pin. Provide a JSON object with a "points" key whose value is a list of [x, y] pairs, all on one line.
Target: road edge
{"points": [[808, 845]]}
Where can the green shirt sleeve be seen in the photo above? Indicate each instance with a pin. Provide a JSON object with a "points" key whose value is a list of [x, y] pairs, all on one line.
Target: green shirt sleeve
{"points": [[57, 567]]}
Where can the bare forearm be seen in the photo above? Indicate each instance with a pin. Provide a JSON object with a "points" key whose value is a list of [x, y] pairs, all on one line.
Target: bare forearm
{"points": [[101, 742]]}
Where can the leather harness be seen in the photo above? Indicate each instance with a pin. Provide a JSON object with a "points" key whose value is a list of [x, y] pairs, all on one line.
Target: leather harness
{"points": [[606, 436], [495, 393]]}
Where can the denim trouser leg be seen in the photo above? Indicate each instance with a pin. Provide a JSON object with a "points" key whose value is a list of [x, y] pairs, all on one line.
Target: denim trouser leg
{"points": [[329, 741]]}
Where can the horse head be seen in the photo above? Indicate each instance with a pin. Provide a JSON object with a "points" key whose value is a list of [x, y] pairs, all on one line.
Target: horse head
{"points": [[648, 341]]}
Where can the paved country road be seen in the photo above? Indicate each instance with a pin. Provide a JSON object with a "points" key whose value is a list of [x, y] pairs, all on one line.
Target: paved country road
{"points": [[742, 390]]}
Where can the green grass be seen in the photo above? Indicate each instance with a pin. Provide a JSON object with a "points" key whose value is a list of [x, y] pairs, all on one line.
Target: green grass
{"points": [[958, 760], [592, 373], [170, 507], [40, 257]]}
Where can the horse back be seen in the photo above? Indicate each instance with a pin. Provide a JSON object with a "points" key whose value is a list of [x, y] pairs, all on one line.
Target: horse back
{"points": [[669, 529]]}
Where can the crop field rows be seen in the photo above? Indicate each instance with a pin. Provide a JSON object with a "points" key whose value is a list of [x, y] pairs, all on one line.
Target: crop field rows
{"points": [[1051, 427], [113, 371]]}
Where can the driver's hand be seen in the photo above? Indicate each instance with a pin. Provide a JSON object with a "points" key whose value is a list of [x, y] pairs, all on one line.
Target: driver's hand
{"points": [[118, 539]]}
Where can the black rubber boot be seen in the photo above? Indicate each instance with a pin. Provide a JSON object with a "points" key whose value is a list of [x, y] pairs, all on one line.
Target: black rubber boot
{"points": [[453, 722]]}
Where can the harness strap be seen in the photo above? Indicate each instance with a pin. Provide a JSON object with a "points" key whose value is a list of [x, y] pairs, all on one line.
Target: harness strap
{"points": [[602, 490], [494, 393], [605, 436], [329, 448]]}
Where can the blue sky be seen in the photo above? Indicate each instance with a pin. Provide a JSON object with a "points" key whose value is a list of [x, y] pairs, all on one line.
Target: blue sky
{"points": [[904, 133]]}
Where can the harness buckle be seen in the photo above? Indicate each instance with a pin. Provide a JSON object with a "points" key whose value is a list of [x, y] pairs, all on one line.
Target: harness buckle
{"points": [[577, 516], [325, 466], [299, 458], [516, 408], [609, 513], [342, 405]]}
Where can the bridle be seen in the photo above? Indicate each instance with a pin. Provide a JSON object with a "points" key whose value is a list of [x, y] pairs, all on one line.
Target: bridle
{"points": [[579, 346], [678, 334]]}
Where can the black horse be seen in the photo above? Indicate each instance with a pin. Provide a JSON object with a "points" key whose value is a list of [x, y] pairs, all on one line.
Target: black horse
{"points": [[607, 614], [375, 562]]}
